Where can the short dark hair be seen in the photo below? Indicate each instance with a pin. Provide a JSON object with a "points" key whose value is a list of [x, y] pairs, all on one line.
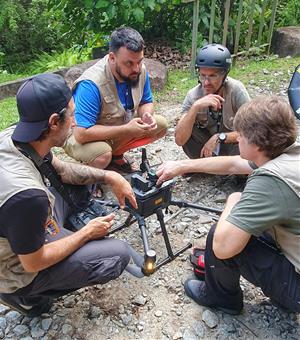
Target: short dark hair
{"points": [[126, 37], [269, 123], [62, 115]]}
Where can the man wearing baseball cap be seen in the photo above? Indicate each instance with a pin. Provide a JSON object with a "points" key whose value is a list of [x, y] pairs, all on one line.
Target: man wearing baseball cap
{"points": [[39, 258]]}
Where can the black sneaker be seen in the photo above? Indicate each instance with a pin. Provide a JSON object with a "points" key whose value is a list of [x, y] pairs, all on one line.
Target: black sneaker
{"points": [[195, 289], [31, 311]]}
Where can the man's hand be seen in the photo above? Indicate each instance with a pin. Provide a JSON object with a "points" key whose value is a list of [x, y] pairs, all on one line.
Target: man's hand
{"points": [[53, 252], [137, 128], [168, 170], [121, 188], [148, 119], [98, 227], [209, 146], [211, 100]]}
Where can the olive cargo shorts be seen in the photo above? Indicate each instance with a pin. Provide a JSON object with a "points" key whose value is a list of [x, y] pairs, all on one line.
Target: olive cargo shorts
{"points": [[87, 152]]}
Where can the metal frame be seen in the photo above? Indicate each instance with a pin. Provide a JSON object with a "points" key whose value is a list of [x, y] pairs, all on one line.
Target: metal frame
{"points": [[135, 217]]}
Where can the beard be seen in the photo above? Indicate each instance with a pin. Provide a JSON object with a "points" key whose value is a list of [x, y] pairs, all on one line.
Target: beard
{"points": [[132, 82]]}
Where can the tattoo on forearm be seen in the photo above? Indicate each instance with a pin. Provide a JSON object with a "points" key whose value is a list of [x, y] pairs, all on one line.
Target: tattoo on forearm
{"points": [[74, 173]]}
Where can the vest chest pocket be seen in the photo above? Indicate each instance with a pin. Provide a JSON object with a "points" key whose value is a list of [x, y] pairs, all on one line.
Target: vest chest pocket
{"points": [[111, 113], [109, 107], [109, 99]]}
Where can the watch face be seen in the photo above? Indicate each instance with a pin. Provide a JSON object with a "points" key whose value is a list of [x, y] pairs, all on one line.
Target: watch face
{"points": [[222, 137]]}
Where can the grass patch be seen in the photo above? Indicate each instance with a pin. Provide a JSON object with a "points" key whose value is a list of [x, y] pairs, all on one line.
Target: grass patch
{"points": [[179, 83], [10, 77], [249, 71], [269, 69], [8, 112]]}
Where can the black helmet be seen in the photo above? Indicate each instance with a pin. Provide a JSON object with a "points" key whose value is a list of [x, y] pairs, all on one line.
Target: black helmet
{"points": [[214, 55]]}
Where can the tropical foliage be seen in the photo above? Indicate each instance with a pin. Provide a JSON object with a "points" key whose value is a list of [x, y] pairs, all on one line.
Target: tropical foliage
{"points": [[33, 29], [27, 28]]}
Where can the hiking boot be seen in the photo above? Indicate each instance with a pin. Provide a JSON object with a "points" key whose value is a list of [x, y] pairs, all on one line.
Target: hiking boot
{"points": [[28, 310], [195, 289]]}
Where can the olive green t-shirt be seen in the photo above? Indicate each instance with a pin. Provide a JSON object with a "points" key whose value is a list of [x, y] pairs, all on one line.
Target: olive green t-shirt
{"points": [[266, 201], [235, 95]]}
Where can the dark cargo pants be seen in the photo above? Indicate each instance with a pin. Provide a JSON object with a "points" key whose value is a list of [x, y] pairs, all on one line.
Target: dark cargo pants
{"points": [[260, 264], [96, 262]]}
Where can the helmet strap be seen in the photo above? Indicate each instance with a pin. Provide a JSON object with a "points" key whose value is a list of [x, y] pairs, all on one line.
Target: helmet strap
{"points": [[223, 82]]}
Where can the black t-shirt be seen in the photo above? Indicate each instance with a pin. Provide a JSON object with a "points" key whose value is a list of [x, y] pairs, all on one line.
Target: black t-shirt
{"points": [[22, 220]]}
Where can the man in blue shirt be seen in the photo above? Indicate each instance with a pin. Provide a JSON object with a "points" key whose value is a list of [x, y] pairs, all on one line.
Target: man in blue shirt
{"points": [[114, 106]]}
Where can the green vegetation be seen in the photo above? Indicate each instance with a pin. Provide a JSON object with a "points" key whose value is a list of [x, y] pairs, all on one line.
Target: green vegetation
{"points": [[85, 20], [179, 82], [8, 112], [270, 70], [263, 69], [29, 29], [50, 62], [47, 62], [4, 77], [288, 13]]}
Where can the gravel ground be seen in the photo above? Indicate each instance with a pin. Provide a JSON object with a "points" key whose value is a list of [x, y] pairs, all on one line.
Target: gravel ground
{"points": [[156, 307]]}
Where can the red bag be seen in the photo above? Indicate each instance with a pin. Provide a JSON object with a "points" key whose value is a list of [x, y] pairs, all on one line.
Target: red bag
{"points": [[197, 261]]}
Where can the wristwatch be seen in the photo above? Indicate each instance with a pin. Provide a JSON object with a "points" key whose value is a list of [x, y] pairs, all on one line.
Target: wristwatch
{"points": [[222, 137]]}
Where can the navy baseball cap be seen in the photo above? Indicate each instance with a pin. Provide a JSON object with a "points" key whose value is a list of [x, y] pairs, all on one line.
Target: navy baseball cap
{"points": [[37, 99]]}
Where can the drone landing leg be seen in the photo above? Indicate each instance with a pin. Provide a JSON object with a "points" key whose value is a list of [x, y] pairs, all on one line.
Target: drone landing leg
{"points": [[171, 256]]}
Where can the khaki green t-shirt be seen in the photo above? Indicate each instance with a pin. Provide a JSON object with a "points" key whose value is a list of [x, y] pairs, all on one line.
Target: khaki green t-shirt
{"points": [[235, 95], [265, 202]]}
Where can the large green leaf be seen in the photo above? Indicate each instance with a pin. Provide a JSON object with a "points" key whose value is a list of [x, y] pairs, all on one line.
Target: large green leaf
{"points": [[138, 14], [88, 4], [112, 11], [102, 4], [150, 4], [126, 14]]}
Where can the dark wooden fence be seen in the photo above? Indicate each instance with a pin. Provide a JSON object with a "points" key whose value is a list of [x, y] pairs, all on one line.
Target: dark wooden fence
{"points": [[237, 14]]}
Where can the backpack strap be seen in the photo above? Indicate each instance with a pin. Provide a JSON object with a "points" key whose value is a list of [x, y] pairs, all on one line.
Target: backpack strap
{"points": [[46, 169]]}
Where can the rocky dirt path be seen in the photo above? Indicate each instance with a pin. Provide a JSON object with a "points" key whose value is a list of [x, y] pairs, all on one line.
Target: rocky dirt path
{"points": [[156, 307]]}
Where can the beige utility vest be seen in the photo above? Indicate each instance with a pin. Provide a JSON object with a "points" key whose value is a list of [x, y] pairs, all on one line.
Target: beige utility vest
{"points": [[287, 168], [17, 173], [112, 110]]}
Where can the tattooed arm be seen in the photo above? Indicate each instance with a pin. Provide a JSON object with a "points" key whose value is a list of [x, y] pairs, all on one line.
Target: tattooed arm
{"points": [[76, 173]]}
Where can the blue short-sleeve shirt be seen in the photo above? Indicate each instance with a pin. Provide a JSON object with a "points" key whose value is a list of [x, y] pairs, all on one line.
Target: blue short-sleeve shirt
{"points": [[88, 100]]}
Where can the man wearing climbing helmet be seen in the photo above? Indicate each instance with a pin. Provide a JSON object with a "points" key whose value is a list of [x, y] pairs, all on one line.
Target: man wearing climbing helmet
{"points": [[206, 126]]}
